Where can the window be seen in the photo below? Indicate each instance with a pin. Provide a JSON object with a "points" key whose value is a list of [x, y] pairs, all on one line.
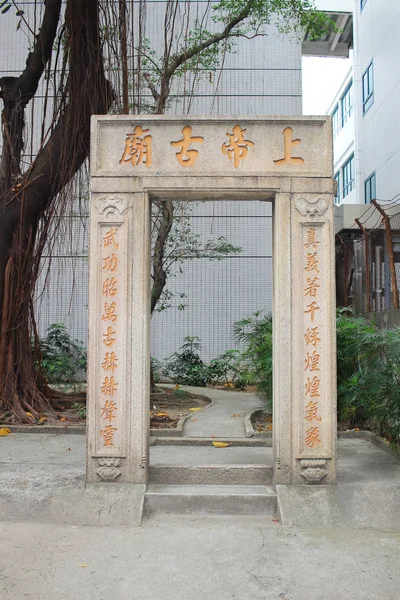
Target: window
{"points": [[370, 189], [337, 197], [348, 176], [368, 88], [335, 121], [362, 3], [347, 103]]}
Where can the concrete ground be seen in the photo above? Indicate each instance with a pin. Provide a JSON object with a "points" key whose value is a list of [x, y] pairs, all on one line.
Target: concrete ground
{"points": [[217, 419], [196, 557], [201, 558]]}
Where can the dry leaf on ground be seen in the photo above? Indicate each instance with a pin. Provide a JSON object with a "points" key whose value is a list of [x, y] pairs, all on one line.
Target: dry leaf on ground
{"points": [[195, 409], [221, 444], [4, 431]]}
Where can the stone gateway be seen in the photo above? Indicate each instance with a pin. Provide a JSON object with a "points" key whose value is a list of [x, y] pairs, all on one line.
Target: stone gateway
{"points": [[285, 161]]}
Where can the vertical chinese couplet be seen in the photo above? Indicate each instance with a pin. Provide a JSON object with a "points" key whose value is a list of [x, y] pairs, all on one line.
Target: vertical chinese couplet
{"points": [[313, 383], [109, 383]]}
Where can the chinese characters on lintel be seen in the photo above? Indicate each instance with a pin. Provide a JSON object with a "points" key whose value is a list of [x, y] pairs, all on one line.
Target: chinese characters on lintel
{"points": [[139, 147], [312, 384]]}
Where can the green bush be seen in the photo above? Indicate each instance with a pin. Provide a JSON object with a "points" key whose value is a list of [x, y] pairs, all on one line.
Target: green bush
{"points": [[185, 367], [62, 359], [255, 332], [368, 374]]}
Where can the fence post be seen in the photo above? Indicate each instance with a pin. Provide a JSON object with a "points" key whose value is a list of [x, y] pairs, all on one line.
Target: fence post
{"points": [[386, 221], [367, 271]]}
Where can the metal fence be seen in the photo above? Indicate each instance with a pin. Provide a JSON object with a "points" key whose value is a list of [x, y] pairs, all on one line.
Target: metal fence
{"points": [[368, 260]]}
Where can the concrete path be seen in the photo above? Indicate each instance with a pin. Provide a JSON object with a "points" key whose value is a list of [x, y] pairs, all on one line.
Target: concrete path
{"points": [[217, 419], [201, 558]]}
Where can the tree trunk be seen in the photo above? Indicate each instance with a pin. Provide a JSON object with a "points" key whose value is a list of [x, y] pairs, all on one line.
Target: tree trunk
{"points": [[28, 200]]}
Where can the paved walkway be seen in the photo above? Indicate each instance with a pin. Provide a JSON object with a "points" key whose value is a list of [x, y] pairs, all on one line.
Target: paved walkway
{"points": [[218, 420]]}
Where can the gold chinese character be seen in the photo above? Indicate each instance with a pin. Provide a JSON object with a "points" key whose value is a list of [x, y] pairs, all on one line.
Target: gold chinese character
{"points": [[311, 238], [312, 437], [185, 156], [312, 361], [237, 147], [109, 386], [110, 362], [110, 262], [109, 340], [312, 387], [109, 312], [312, 307], [108, 435], [110, 287], [312, 262], [289, 144], [108, 410], [138, 147], [110, 238], [312, 412], [312, 286], [311, 336]]}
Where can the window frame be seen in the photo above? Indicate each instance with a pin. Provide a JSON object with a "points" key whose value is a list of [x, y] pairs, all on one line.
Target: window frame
{"points": [[348, 93], [338, 177], [336, 119], [368, 76], [348, 185], [367, 182]]}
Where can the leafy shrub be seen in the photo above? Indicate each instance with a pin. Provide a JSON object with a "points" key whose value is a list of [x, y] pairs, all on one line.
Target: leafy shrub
{"points": [[185, 366], [368, 374], [63, 359], [256, 334], [226, 369]]}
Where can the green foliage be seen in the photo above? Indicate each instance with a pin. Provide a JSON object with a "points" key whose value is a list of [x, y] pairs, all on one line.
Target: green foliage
{"points": [[185, 367], [156, 367], [62, 358], [80, 409], [368, 374], [255, 332], [226, 369]]}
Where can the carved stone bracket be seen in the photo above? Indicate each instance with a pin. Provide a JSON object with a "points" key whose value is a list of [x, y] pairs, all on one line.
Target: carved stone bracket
{"points": [[108, 470], [111, 207], [312, 208], [313, 470]]}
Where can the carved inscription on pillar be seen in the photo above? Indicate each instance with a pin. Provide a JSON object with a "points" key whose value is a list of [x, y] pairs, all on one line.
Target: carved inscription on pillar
{"points": [[109, 338], [314, 379]]}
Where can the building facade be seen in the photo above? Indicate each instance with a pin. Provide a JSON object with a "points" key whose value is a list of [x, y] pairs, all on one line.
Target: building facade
{"points": [[365, 109]]}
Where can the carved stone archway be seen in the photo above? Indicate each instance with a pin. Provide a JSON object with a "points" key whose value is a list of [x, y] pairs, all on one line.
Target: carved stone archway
{"points": [[287, 161]]}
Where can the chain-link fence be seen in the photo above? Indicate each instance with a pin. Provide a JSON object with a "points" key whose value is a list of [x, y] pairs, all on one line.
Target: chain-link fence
{"points": [[368, 260]]}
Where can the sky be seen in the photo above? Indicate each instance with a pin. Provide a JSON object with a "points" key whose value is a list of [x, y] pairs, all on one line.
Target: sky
{"points": [[322, 77]]}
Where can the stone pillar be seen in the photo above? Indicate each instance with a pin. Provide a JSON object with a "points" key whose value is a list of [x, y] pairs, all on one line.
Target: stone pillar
{"points": [[314, 422], [304, 340], [118, 349], [282, 340]]}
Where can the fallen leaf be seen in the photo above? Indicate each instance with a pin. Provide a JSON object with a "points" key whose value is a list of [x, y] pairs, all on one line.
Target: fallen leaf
{"points": [[161, 414], [356, 429], [4, 431], [194, 420], [197, 408], [68, 449], [213, 436], [270, 427], [83, 566], [30, 415], [42, 419], [221, 444], [63, 419], [235, 415]]}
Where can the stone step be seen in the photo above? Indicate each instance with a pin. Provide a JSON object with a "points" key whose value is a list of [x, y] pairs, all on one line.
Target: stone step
{"points": [[211, 474], [210, 499]]}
